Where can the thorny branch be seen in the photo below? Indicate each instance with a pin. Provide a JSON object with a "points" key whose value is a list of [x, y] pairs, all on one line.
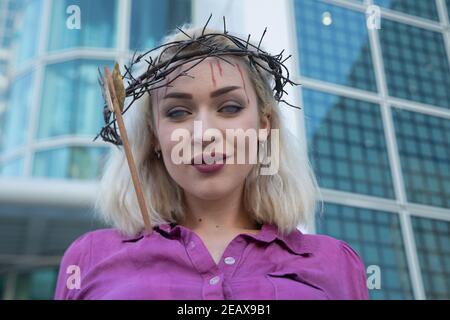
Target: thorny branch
{"points": [[158, 69]]}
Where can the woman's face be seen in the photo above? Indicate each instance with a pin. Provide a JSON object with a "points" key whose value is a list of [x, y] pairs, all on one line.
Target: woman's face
{"points": [[196, 98]]}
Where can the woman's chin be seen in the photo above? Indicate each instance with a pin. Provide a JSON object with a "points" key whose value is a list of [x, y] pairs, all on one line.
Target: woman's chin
{"points": [[209, 185], [209, 189], [208, 194]]}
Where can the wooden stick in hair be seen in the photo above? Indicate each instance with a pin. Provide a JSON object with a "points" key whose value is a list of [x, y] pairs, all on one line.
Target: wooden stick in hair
{"points": [[114, 105]]}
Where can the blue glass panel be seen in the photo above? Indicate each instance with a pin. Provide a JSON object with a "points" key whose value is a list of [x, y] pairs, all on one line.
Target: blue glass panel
{"points": [[377, 237], [347, 145], [3, 68], [421, 8], [12, 168], [416, 63], [27, 37], [447, 2], [433, 249], [16, 117], [2, 285], [83, 163], [71, 101], [424, 147], [98, 24], [333, 44], [38, 284], [152, 19]]}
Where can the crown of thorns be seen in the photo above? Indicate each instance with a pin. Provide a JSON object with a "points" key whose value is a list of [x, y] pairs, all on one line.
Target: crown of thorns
{"points": [[158, 69]]}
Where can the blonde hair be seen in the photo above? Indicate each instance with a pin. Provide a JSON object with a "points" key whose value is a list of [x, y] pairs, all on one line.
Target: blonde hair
{"points": [[286, 198]]}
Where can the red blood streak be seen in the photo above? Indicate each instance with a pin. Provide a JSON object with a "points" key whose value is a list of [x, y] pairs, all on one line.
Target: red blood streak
{"points": [[220, 67], [212, 74], [165, 90]]}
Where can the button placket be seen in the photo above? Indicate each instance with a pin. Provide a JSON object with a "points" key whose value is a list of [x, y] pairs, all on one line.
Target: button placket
{"points": [[214, 280], [231, 257], [213, 286], [229, 260]]}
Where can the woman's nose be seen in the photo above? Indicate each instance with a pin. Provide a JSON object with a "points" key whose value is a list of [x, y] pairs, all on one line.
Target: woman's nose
{"points": [[205, 128]]}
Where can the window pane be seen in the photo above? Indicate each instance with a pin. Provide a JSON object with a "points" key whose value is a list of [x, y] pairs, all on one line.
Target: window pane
{"points": [[347, 145], [425, 9], [12, 168], [17, 112], [98, 24], [2, 285], [72, 101], [27, 36], [7, 24], [376, 236], [151, 19], [448, 7], [3, 68], [424, 148], [433, 247], [37, 284], [416, 63], [82, 163], [333, 44], [66, 226]]}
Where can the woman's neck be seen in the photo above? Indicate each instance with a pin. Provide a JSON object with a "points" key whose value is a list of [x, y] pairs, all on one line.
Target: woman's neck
{"points": [[226, 213]]}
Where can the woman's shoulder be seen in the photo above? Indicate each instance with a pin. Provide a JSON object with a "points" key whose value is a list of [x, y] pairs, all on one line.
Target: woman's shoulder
{"points": [[332, 250], [342, 263], [330, 247], [86, 239], [86, 250], [92, 243]]}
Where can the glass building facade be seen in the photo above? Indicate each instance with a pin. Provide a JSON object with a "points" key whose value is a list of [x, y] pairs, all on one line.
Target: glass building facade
{"points": [[375, 105], [52, 111], [377, 122]]}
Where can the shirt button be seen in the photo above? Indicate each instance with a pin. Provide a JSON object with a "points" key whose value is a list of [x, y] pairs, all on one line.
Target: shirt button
{"points": [[229, 260], [214, 280]]}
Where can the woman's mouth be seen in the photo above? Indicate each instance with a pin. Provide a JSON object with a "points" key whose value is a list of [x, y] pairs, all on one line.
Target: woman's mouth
{"points": [[202, 166], [209, 168]]}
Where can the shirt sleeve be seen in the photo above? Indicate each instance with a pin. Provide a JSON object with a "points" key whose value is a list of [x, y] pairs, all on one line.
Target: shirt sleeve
{"points": [[353, 274], [73, 266]]}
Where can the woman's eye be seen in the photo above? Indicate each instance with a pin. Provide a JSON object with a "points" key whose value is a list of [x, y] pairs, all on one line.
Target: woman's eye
{"points": [[231, 109], [177, 113]]}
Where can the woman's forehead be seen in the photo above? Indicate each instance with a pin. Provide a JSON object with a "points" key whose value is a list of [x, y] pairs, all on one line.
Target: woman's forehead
{"points": [[212, 71]]}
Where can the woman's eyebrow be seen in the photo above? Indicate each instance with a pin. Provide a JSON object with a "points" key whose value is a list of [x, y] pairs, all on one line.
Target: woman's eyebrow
{"points": [[216, 93]]}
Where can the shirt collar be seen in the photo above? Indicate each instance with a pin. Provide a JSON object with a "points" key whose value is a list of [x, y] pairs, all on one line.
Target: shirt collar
{"points": [[296, 241]]}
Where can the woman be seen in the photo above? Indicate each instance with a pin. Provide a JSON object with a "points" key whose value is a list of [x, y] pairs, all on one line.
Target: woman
{"points": [[220, 231]]}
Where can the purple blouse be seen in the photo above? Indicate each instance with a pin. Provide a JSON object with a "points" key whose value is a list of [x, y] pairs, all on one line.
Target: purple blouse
{"points": [[173, 263]]}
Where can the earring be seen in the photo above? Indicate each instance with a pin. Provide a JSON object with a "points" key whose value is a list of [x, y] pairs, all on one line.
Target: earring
{"points": [[158, 154], [262, 150]]}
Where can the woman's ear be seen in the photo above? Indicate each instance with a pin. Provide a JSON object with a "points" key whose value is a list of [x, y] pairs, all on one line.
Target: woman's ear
{"points": [[154, 141], [157, 146], [265, 122]]}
